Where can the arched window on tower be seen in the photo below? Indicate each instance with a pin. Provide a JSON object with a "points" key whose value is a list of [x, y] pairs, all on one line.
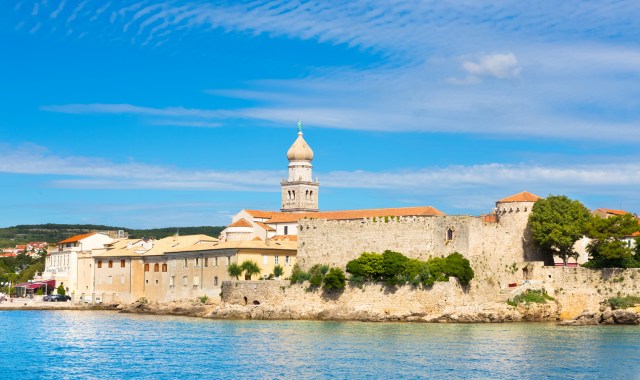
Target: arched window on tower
{"points": [[311, 194], [293, 195]]}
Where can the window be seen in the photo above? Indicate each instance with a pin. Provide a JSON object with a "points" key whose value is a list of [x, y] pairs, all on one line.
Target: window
{"points": [[109, 280], [110, 264], [146, 267], [265, 259], [164, 267], [197, 262], [185, 281], [172, 281], [216, 261], [228, 260], [286, 230], [156, 267], [215, 281], [287, 260], [156, 282], [122, 263], [276, 260], [99, 264], [186, 263], [449, 234], [206, 262]]}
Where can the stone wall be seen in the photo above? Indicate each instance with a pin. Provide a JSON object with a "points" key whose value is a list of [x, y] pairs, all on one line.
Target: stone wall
{"points": [[371, 299]]}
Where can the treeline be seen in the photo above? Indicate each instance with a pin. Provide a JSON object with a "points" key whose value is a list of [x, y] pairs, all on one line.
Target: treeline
{"points": [[391, 268], [22, 234]]}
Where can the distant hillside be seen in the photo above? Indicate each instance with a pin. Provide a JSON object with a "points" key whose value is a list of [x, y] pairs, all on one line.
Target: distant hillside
{"points": [[52, 233]]}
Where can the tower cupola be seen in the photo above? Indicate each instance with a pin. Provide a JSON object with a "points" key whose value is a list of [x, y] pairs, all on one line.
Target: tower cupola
{"points": [[299, 191]]}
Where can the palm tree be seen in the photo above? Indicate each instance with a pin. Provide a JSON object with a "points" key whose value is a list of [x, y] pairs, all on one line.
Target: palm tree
{"points": [[278, 271], [234, 270], [250, 268]]}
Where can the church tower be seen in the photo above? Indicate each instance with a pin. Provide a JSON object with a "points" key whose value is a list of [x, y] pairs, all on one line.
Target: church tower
{"points": [[299, 191]]}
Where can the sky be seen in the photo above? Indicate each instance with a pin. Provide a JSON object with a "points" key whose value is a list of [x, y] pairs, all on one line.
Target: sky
{"points": [[146, 114]]}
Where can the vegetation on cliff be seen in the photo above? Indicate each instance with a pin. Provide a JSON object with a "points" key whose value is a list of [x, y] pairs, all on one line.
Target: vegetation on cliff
{"points": [[394, 269], [531, 296], [623, 302]]}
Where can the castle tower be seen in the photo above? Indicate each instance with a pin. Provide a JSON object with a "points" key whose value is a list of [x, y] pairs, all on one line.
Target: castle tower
{"points": [[299, 191]]}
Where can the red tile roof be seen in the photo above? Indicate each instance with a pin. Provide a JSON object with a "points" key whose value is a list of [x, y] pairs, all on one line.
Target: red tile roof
{"points": [[267, 228], [261, 214], [285, 217], [76, 238], [285, 238], [241, 223], [612, 212], [524, 196]]}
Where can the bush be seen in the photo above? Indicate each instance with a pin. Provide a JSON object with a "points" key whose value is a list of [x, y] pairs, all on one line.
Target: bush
{"points": [[623, 302], [204, 299], [396, 269], [394, 266], [457, 266], [531, 296], [368, 266], [335, 279], [60, 290], [298, 276]]}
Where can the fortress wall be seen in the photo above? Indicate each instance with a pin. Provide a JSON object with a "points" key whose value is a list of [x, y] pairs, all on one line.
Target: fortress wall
{"points": [[336, 242], [579, 289], [371, 299]]}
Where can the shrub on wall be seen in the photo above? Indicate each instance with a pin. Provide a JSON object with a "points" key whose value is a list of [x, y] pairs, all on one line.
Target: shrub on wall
{"points": [[298, 276], [396, 269], [335, 279]]}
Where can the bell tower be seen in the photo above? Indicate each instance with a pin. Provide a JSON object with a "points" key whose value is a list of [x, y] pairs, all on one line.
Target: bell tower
{"points": [[299, 191]]}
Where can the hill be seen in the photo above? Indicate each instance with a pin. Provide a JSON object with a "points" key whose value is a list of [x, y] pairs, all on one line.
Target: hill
{"points": [[21, 234]]}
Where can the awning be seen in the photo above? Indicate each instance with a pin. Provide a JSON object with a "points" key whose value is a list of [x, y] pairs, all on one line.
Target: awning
{"points": [[35, 285]]}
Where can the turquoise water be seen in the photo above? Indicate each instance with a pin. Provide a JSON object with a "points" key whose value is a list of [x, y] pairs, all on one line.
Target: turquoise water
{"points": [[82, 344]]}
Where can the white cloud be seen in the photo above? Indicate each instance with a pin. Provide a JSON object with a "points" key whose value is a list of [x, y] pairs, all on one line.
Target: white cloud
{"points": [[501, 66]]}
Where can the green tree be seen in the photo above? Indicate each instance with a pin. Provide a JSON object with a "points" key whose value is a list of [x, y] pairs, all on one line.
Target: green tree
{"points": [[556, 223], [335, 279], [458, 266], [234, 270], [606, 248], [60, 290], [250, 268], [367, 267], [317, 273], [278, 271], [394, 265]]}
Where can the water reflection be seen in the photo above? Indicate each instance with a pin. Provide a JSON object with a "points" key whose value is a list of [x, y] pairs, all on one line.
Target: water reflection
{"points": [[72, 344]]}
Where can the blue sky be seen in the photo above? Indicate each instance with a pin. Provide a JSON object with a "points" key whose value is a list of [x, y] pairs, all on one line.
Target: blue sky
{"points": [[178, 113]]}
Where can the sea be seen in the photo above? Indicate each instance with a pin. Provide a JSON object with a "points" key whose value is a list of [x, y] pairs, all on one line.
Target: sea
{"points": [[110, 345]]}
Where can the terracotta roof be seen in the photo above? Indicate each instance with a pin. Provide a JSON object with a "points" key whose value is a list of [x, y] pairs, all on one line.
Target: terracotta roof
{"points": [[268, 228], [175, 243], [257, 238], [241, 244], [636, 234], [524, 196], [285, 238], [490, 218], [284, 217], [261, 214], [76, 238], [241, 223], [612, 212]]}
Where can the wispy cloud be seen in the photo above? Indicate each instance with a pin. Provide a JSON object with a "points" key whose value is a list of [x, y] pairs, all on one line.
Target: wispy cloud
{"points": [[547, 70], [444, 183]]}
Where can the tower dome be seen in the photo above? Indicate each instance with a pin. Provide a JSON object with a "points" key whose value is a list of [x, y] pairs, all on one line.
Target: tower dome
{"points": [[300, 150]]}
